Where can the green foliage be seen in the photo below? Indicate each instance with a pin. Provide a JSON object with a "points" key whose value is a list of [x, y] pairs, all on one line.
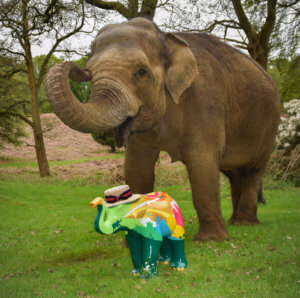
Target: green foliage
{"points": [[38, 61], [286, 73], [14, 104], [285, 160], [81, 90], [105, 138], [49, 248]]}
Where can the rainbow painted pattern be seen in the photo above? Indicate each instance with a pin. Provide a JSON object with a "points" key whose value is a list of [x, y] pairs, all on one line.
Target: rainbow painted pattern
{"points": [[161, 211]]}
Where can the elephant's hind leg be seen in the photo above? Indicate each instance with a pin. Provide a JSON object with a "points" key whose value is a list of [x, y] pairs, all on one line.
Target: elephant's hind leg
{"points": [[247, 184], [165, 252], [179, 262], [235, 185]]}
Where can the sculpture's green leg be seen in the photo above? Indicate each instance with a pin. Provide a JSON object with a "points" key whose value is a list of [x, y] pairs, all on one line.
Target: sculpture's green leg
{"points": [[134, 241], [165, 252], [179, 262], [150, 256]]}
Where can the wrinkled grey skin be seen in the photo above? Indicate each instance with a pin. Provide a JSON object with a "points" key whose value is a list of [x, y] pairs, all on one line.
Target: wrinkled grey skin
{"points": [[200, 100]]}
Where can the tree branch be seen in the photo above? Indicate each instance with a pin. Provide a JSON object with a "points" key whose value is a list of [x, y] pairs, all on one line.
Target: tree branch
{"points": [[17, 103], [12, 52], [52, 50], [243, 20], [148, 8], [23, 117], [269, 24], [111, 5], [287, 4]]}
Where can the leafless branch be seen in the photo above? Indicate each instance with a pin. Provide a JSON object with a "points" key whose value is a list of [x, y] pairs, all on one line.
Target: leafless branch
{"points": [[21, 116], [54, 47]]}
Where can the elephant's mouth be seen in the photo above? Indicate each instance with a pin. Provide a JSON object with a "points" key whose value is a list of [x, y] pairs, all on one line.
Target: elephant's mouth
{"points": [[122, 132]]}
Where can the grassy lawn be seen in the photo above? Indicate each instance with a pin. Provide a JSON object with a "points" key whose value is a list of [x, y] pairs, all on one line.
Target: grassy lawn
{"points": [[17, 162], [49, 248]]}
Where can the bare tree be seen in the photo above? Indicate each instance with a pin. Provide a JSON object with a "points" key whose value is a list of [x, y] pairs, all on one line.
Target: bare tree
{"points": [[132, 8], [26, 23], [260, 27]]}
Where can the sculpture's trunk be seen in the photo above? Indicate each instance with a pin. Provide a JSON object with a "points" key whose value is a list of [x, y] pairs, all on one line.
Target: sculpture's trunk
{"points": [[107, 107], [101, 225]]}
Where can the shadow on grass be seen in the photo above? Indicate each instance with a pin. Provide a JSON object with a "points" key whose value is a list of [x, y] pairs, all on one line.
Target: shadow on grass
{"points": [[71, 258]]}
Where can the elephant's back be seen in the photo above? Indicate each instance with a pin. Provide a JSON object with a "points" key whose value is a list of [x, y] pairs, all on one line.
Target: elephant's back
{"points": [[248, 95]]}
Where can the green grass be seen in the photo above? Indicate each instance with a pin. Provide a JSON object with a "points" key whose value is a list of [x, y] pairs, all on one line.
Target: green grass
{"points": [[19, 163], [49, 248]]}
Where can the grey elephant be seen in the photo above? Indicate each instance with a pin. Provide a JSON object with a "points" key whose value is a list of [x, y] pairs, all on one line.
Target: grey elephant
{"points": [[189, 94]]}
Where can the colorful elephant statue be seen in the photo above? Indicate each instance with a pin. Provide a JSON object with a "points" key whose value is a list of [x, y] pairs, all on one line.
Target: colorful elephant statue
{"points": [[154, 224]]}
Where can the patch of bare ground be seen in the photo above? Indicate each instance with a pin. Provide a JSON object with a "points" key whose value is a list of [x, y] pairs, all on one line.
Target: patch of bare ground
{"points": [[62, 143], [65, 144]]}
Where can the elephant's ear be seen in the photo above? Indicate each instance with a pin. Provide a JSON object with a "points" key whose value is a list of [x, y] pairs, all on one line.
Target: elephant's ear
{"points": [[182, 66]]}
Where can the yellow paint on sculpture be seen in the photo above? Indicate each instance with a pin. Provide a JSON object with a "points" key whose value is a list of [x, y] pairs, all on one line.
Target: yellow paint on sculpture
{"points": [[178, 232]]}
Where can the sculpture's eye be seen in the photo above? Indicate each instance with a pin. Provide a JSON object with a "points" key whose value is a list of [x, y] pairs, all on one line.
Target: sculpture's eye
{"points": [[122, 210]]}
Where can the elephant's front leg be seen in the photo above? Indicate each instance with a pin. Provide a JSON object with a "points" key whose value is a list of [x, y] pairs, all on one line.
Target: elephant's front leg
{"points": [[150, 253], [203, 173], [140, 166], [134, 241]]}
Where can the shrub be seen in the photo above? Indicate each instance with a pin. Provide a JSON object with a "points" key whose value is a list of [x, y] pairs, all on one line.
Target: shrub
{"points": [[288, 136], [284, 163], [105, 138]]}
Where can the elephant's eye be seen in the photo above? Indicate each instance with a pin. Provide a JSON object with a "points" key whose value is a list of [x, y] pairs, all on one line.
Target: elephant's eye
{"points": [[141, 71], [122, 210]]}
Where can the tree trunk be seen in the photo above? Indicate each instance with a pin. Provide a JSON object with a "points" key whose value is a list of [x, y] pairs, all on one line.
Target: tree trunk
{"points": [[37, 128], [259, 54]]}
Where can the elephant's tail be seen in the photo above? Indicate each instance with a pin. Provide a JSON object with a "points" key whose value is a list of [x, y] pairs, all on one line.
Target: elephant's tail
{"points": [[260, 197]]}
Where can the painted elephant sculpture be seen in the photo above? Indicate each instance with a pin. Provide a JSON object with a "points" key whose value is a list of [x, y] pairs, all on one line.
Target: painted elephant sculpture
{"points": [[155, 230], [205, 103]]}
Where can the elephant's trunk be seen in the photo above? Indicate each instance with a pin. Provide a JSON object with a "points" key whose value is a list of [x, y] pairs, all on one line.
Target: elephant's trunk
{"points": [[108, 107]]}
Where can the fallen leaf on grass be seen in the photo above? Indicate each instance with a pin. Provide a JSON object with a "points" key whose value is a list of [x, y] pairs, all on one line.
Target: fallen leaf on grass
{"points": [[288, 237], [51, 270], [238, 272], [271, 248], [159, 290]]}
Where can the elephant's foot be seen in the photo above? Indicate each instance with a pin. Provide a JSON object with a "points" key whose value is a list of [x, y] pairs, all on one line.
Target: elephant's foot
{"points": [[164, 259], [148, 270], [241, 220], [178, 269], [179, 265], [211, 231]]}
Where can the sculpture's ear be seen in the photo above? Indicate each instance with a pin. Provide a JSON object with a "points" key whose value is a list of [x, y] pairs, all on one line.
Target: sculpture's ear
{"points": [[182, 66]]}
